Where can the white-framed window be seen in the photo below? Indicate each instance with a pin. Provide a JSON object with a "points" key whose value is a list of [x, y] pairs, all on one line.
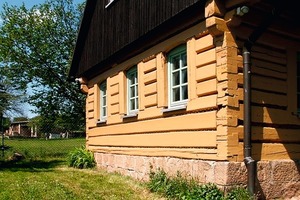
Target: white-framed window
{"points": [[298, 83], [103, 101], [177, 77], [132, 91]]}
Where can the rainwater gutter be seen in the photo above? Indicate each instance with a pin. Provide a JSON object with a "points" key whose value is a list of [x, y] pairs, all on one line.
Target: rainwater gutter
{"points": [[248, 160]]}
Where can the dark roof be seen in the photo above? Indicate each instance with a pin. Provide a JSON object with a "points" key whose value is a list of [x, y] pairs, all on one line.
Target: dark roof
{"points": [[20, 122], [108, 36]]}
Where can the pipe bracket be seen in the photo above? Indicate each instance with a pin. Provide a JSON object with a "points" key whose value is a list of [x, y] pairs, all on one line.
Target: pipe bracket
{"points": [[248, 160]]}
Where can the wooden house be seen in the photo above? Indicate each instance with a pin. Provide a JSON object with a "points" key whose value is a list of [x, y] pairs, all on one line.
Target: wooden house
{"points": [[21, 129], [206, 87]]}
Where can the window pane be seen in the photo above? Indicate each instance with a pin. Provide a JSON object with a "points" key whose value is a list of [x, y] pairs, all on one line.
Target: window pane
{"points": [[176, 94], [103, 107], [175, 63], [104, 101], [184, 76], [184, 92], [131, 93], [183, 57], [175, 78], [132, 104], [131, 79], [132, 88], [136, 103], [177, 69], [104, 111]]}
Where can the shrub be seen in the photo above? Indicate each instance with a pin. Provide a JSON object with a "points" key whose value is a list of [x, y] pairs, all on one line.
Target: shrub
{"points": [[239, 193], [158, 181], [180, 188], [81, 158], [207, 191]]}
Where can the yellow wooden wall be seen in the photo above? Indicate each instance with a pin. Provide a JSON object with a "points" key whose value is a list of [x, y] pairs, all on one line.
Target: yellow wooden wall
{"points": [[275, 132], [190, 133], [211, 127], [276, 128]]}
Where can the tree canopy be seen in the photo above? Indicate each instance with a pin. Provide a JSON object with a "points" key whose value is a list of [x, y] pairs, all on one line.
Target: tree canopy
{"points": [[4, 99], [9, 99], [36, 46]]}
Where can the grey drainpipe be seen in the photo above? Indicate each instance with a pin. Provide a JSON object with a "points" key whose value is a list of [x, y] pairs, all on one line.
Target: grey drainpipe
{"points": [[249, 161], [250, 164]]}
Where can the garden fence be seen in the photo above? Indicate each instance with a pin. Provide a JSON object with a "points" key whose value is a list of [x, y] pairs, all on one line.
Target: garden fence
{"points": [[29, 141]]}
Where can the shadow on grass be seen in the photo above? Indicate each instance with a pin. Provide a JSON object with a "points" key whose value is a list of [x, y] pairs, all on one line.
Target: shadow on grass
{"points": [[30, 165]]}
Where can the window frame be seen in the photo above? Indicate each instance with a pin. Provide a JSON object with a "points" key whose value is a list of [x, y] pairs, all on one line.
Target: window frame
{"points": [[133, 71], [181, 103], [103, 94]]}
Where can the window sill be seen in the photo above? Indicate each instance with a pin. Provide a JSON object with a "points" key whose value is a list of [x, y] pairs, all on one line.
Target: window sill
{"points": [[99, 122], [176, 108], [131, 115]]}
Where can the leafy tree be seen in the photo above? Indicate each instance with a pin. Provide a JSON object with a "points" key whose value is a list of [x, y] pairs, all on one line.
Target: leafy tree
{"points": [[4, 99], [9, 100], [6, 123], [36, 45]]}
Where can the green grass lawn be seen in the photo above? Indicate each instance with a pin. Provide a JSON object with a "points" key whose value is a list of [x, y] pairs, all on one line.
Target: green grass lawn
{"points": [[68, 183], [44, 174], [41, 148]]}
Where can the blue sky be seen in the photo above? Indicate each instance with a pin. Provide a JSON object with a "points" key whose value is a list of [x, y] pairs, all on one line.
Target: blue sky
{"points": [[28, 3]]}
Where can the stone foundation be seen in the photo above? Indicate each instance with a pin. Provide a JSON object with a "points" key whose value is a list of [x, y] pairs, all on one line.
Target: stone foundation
{"points": [[276, 179]]}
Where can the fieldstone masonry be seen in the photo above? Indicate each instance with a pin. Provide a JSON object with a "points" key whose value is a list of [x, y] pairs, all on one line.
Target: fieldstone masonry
{"points": [[276, 179]]}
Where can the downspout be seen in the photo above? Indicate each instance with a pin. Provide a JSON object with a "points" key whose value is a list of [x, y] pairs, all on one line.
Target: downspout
{"points": [[249, 161]]}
